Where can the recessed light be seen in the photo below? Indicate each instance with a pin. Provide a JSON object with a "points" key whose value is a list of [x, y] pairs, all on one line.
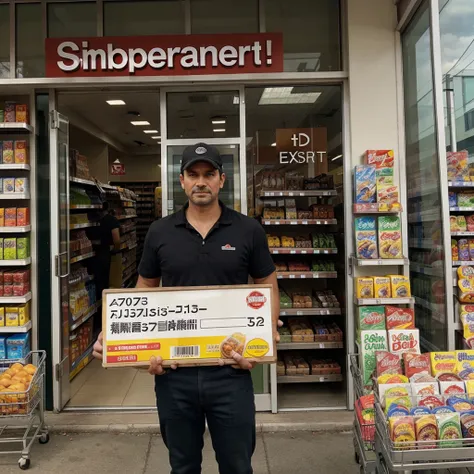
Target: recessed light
{"points": [[336, 157], [219, 130], [285, 96], [115, 102], [150, 131], [156, 137], [218, 121], [274, 144], [140, 122]]}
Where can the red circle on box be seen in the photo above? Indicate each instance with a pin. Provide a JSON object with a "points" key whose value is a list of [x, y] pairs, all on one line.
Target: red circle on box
{"points": [[256, 300]]}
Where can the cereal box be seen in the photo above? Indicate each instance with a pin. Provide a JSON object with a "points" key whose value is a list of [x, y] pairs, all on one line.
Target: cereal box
{"points": [[416, 363], [463, 250], [21, 185], [18, 346], [364, 287], [366, 237], [10, 217], [380, 158], [9, 114], [404, 340], [442, 362], [11, 316], [387, 194], [9, 249], [382, 287], [23, 216], [7, 152], [458, 166], [365, 184], [20, 152], [8, 185], [384, 176], [23, 247], [371, 342], [387, 363], [464, 361], [371, 318], [400, 286], [399, 318], [21, 113], [390, 237]]}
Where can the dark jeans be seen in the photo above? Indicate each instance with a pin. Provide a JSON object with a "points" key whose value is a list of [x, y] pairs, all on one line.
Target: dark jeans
{"points": [[223, 396]]}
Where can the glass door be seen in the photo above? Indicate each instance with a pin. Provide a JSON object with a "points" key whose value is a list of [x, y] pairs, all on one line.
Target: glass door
{"points": [[59, 140]]}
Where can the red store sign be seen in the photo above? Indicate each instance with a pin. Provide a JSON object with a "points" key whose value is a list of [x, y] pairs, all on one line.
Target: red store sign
{"points": [[164, 55]]}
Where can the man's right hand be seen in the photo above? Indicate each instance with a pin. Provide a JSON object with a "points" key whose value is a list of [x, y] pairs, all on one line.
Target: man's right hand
{"points": [[98, 348]]}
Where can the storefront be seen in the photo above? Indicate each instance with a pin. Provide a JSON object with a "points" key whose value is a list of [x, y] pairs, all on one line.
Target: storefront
{"points": [[287, 91]]}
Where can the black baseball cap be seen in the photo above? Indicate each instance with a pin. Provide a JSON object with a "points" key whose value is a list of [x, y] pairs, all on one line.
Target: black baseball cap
{"points": [[201, 152]]}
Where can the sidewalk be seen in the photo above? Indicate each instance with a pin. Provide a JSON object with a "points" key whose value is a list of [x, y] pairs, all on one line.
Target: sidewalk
{"points": [[104, 453]]}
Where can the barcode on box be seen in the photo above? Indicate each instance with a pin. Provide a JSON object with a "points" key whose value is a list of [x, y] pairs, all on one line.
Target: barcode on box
{"points": [[180, 352]]}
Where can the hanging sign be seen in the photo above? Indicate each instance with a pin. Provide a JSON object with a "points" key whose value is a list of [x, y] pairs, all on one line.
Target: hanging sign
{"points": [[169, 55], [117, 169]]}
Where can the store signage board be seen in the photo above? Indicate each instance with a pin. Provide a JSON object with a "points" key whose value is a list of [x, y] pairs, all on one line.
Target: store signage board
{"points": [[117, 169], [170, 55], [189, 326]]}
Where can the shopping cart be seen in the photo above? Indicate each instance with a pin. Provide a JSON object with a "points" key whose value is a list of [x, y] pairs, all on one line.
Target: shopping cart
{"points": [[406, 457], [363, 432], [22, 413]]}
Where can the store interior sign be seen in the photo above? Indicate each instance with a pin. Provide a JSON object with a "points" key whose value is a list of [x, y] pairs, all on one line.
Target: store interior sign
{"points": [[117, 168], [303, 146], [164, 55]]}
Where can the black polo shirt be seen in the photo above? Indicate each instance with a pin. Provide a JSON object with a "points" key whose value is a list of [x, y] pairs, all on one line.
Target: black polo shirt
{"points": [[235, 248]]}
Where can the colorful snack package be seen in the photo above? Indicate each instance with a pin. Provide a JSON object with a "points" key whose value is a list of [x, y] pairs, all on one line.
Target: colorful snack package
{"points": [[402, 432], [442, 362], [470, 223], [20, 152], [2, 217], [371, 342], [400, 286], [443, 409], [462, 223], [467, 424], [8, 152], [390, 237], [458, 166], [387, 194], [453, 202], [399, 318], [453, 224], [8, 185], [21, 113], [23, 216], [384, 177], [454, 250], [390, 379], [371, 318], [382, 287], [364, 287], [404, 340], [387, 363], [365, 183], [459, 404], [452, 388], [21, 185], [366, 237], [431, 402], [9, 112], [465, 199], [416, 364], [23, 247], [398, 410], [471, 249], [9, 249], [417, 411], [469, 387], [464, 360], [426, 428], [10, 217], [397, 401], [380, 158]]}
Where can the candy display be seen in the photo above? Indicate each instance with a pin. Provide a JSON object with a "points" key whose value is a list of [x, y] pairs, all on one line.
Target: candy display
{"points": [[390, 237], [366, 237], [457, 163], [399, 287], [14, 112]]}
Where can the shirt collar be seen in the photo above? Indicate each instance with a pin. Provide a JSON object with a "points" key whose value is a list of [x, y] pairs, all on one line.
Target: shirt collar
{"points": [[224, 219]]}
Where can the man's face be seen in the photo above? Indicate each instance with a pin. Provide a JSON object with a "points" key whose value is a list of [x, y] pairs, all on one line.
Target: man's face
{"points": [[201, 183]]}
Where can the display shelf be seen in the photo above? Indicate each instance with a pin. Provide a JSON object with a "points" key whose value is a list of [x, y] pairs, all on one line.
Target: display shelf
{"points": [[380, 301], [380, 261], [79, 258], [462, 263], [373, 208], [82, 361], [461, 184], [15, 196], [15, 230], [15, 299], [310, 311], [122, 218], [85, 317], [80, 280], [83, 226], [15, 263], [309, 378], [294, 251], [462, 234], [85, 206], [15, 329], [286, 346], [461, 209], [86, 182], [299, 221], [303, 193], [15, 127], [303, 275], [15, 166], [425, 244], [429, 215], [425, 269]]}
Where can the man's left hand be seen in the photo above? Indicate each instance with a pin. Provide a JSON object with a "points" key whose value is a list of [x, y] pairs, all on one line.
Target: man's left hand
{"points": [[242, 362]]}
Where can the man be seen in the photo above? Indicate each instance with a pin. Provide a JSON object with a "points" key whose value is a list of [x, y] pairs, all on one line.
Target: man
{"points": [[206, 243]]}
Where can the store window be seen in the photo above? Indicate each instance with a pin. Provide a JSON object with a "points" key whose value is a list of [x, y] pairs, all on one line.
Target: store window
{"points": [[70, 20], [5, 43], [144, 18], [29, 40], [224, 16], [426, 251], [311, 33]]}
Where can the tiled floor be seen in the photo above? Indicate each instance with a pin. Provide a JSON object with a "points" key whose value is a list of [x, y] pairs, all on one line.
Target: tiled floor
{"points": [[99, 387]]}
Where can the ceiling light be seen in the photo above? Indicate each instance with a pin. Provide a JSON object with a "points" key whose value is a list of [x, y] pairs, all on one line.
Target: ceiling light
{"points": [[140, 122], [274, 144], [156, 137], [219, 130], [336, 157], [218, 121], [150, 131], [115, 102], [285, 96]]}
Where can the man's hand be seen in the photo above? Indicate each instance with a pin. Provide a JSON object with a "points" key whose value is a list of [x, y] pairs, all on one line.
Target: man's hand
{"points": [[98, 348], [156, 366], [277, 334], [242, 362]]}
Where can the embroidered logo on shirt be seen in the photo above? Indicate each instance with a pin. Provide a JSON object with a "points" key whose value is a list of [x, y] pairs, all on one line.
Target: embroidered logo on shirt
{"points": [[227, 247]]}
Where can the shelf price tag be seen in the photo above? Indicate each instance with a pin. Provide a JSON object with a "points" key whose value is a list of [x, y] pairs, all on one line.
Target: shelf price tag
{"points": [[304, 252], [276, 252], [322, 379], [321, 345], [305, 222], [290, 194], [299, 313], [292, 276], [326, 251], [292, 251], [293, 223], [302, 276]]}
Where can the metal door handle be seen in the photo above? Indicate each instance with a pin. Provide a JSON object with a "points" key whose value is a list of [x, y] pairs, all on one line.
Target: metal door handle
{"points": [[58, 265]]}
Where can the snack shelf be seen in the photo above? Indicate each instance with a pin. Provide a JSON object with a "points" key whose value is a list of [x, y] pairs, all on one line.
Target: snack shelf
{"points": [[86, 316], [82, 361], [18, 262], [303, 275], [86, 182], [286, 346], [85, 206], [303, 193], [79, 258], [299, 221], [15, 127], [122, 218], [16, 329], [83, 226], [301, 251], [15, 299], [126, 247], [374, 208], [460, 184], [360, 262], [381, 301], [15, 230], [461, 209], [309, 378], [462, 263], [15, 166], [79, 280], [15, 196], [310, 311]]}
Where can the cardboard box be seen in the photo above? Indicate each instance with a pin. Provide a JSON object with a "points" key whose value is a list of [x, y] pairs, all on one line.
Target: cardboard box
{"points": [[9, 114], [22, 247], [380, 158], [404, 340], [399, 318], [8, 152], [364, 287], [400, 286], [390, 237], [366, 237], [23, 216], [371, 318], [3, 347], [9, 249], [196, 331], [464, 361], [21, 152], [18, 346], [458, 165], [21, 113], [371, 342], [22, 185], [387, 193], [382, 287], [11, 315], [365, 183], [452, 388], [416, 363], [442, 362], [10, 217], [2, 217], [2, 317]]}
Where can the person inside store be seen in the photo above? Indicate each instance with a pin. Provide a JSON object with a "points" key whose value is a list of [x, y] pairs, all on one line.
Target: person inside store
{"points": [[109, 236], [190, 248]]}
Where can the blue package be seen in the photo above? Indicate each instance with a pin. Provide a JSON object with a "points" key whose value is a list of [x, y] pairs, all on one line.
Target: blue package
{"points": [[3, 347], [18, 346], [459, 404], [365, 183], [366, 237], [453, 199], [397, 410], [420, 411], [443, 409]]}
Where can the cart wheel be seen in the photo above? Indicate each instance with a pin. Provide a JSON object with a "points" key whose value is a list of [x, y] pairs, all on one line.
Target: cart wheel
{"points": [[356, 457], [44, 438], [24, 464]]}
